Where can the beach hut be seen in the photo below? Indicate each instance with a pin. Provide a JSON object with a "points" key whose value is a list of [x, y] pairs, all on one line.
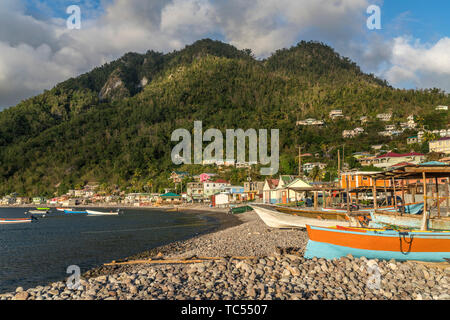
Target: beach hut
{"points": [[170, 197]]}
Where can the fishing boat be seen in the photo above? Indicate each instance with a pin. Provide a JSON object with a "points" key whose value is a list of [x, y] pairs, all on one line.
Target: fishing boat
{"points": [[43, 209], [70, 211], [63, 209], [385, 244], [14, 221], [101, 213], [37, 212], [411, 208], [276, 218], [410, 221]]}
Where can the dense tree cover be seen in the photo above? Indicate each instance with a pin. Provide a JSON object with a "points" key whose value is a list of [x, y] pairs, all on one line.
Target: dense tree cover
{"points": [[108, 127]]}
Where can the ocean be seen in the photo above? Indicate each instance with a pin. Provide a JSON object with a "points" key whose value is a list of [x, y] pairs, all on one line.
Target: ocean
{"points": [[38, 253]]}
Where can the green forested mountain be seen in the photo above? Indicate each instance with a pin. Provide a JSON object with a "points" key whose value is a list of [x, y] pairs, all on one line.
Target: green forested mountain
{"points": [[113, 124]]}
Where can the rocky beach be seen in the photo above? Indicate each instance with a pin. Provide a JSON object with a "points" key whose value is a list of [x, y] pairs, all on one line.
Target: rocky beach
{"points": [[248, 260]]}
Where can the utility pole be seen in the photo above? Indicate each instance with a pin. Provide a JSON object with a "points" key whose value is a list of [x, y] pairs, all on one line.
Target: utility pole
{"points": [[339, 163], [300, 169]]}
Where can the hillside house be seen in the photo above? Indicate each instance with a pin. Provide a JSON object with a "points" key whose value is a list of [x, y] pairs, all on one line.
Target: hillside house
{"points": [[310, 122], [384, 116], [441, 145], [178, 176], [389, 159], [307, 167], [412, 140], [334, 114]]}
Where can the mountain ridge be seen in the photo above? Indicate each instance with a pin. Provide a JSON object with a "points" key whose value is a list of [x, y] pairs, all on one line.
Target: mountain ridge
{"points": [[113, 124]]}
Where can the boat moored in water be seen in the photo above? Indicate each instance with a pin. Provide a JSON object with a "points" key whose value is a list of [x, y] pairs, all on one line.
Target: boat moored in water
{"points": [[101, 213], [15, 221], [74, 212]]}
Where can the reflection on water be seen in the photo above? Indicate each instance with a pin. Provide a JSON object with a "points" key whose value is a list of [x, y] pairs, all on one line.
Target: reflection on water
{"points": [[37, 253]]}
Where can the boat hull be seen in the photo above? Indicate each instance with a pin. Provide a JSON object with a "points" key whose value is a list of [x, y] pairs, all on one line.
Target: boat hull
{"points": [[99, 213], [37, 212], [15, 221], [275, 219], [330, 243], [74, 212]]}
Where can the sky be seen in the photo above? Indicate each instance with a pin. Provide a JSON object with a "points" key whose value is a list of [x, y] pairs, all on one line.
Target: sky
{"points": [[38, 50]]}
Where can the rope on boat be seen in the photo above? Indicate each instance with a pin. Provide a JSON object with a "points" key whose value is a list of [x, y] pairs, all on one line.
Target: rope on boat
{"points": [[403, 235]]}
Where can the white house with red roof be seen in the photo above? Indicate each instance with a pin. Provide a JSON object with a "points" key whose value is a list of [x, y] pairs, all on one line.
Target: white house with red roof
{"points": [[390, 159], [270, 194]]}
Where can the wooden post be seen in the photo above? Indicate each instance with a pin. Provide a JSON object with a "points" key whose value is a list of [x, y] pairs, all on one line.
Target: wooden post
{"points": [[446, 195], [374, 191], [403, 197], [395, 194], [437, 197], [315, 199], [324, 198], [339, 164], [348, 195], [414, 189], [300, 168], [425, 209]]}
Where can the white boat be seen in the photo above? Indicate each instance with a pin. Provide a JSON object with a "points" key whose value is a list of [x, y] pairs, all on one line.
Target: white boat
{"points": [[14, 221], [37, 212], [64, 209], [100, 213], [277, 219]]}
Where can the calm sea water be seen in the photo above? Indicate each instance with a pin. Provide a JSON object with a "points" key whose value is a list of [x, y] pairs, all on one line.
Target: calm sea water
{"points": [[38, 253]]}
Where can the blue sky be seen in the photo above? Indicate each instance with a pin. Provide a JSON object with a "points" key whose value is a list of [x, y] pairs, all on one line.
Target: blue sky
{"points": [[419, 18], [412, 50]]}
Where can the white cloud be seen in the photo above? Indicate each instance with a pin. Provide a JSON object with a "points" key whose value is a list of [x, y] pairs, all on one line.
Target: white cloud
{"points": [[424, 64]]}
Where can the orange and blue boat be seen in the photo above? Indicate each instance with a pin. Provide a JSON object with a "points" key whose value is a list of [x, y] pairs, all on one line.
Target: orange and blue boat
{"points": [[383, 244], [15, 221]]}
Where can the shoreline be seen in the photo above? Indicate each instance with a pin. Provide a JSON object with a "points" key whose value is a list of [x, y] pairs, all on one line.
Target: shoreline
{"points": [[252, 262], [225, 221]]}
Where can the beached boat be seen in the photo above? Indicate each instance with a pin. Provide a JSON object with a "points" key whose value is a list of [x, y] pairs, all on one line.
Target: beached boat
{"points": [[330, 243], [340, 215], [100, 213], [14, 221], [412, 208], [410, 221], [63, 209], [275, 218]]}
